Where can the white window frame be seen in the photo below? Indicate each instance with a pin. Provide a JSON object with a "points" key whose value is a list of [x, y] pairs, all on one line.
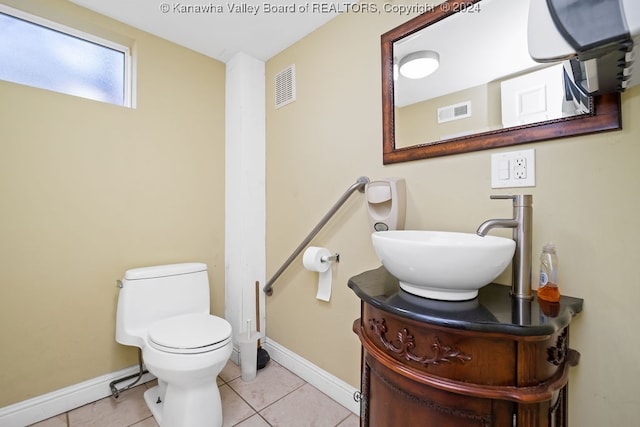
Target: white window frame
{"points": [[43, 22]]}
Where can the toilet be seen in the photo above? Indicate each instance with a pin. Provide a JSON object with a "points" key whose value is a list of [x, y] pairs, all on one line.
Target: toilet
{"points": [[164, 310]]}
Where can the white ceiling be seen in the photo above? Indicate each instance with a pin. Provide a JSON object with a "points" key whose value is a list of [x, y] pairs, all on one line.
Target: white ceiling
{"points": [[245, 26], [219, 34], [475, 48]]}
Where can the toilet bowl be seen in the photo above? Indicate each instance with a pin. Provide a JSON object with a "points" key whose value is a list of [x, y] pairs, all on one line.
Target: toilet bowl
{"points": [[164, 311], [186, 353]]}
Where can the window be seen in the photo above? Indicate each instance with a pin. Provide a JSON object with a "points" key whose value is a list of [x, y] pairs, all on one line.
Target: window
{"points": [[43, 54]]}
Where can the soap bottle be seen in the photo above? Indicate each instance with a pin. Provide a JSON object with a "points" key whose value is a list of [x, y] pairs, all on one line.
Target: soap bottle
{"points": [[548, 289]]}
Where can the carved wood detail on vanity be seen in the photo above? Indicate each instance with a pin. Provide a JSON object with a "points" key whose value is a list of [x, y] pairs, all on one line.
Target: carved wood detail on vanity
{"points": [[450, 411], [405, 343], [415, 371], [364, 397], [557, 354], [486, 362]]}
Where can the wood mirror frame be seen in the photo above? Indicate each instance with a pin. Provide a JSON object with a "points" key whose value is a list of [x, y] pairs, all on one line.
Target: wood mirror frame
{"points": [[605, 112]]}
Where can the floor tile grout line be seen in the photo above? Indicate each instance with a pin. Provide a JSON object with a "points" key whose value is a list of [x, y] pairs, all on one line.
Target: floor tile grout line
{"points": [[254, 411], [139, 421], [344, 419], [259, 412], [251, 416], [280, 398], [264, 419]]}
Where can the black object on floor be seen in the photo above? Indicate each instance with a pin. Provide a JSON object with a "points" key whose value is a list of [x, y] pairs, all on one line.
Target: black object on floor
{"points": [[263, 358]]}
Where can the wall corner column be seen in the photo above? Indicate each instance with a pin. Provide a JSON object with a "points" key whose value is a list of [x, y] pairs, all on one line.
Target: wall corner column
{"points": [[245, 141]]}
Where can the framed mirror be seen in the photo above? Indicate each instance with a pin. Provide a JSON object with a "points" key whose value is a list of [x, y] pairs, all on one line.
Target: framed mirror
{"points": [[486, 91]]}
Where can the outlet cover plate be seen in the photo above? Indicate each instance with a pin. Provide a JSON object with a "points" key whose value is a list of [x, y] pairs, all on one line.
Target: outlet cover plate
{"points": [[513, 169]]}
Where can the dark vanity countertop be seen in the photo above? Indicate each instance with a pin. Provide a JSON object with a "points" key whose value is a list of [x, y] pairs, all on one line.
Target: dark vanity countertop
{"points": [[494, 310]]}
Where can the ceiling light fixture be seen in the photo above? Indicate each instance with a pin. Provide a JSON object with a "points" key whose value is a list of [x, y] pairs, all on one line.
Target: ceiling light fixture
{"points": [[419, 64]]}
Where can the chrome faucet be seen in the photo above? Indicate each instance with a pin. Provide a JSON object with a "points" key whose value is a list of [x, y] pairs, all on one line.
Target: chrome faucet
{"points": [[522, 234]]}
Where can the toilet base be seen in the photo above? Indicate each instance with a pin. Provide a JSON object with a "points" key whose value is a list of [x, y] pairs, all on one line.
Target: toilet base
{"points": [[156, 406], [194, 408]]}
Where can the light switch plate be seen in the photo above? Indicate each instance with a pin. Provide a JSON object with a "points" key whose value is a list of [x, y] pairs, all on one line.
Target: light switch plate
{"points": [[513, 169]]}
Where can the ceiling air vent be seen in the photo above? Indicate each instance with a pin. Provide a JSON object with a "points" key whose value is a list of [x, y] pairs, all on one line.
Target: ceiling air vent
{"points": [[286, 86], [454, 112]]}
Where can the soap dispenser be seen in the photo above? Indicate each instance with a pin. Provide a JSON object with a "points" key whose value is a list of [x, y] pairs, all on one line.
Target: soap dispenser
{"points": [[386, 203]]}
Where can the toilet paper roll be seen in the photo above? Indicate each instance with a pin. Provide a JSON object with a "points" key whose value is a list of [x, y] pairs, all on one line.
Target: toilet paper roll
{"points": [[312, 261]]}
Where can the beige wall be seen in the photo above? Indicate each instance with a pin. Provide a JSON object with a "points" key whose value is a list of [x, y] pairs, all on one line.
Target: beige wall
{"points": [[418, 123], [85, 188], [586, 201], [88, 190]]}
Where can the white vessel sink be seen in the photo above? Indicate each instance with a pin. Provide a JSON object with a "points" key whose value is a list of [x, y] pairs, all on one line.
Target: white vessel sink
{"points": [[442, 265]]}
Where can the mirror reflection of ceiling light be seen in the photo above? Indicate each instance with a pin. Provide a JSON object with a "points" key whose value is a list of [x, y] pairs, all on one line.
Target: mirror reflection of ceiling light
{"points": [[419, 64]]}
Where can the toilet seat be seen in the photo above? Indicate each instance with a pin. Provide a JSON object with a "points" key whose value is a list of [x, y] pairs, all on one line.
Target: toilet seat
{"points": [[190, 334]]}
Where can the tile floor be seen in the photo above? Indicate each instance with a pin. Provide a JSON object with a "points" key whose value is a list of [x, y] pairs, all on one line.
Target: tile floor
{"points": [[276, 397]]}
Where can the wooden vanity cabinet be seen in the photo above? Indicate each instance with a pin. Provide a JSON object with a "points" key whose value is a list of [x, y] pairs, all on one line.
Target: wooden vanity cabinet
{"points": [[447, 364]]}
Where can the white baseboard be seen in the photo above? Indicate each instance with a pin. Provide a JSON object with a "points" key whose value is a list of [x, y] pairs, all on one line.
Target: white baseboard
{"points": [[57, 402], [327, 383]]}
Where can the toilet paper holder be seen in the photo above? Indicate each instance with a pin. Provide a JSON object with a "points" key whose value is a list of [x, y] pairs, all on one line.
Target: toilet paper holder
{"points": [[328, 258]]}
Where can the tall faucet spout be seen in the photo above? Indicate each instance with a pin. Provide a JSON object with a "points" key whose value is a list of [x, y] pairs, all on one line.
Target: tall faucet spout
{"points": [[522, 234], [496, 223]]}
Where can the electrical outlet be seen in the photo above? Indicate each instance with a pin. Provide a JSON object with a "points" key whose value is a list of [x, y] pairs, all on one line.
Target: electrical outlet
{"points": [[520, 167], [513, 169]]}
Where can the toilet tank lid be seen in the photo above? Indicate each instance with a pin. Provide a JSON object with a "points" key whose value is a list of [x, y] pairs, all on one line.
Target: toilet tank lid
{"points": [[164, 270]]}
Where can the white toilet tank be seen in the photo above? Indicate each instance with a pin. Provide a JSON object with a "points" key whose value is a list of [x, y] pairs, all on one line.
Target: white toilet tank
{"points": [[154, 293]]}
